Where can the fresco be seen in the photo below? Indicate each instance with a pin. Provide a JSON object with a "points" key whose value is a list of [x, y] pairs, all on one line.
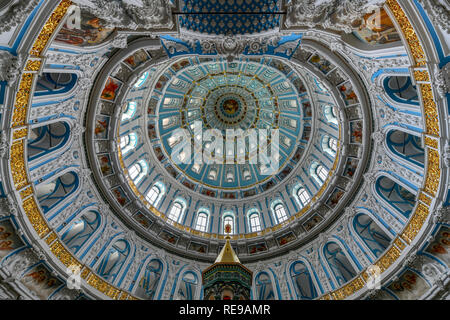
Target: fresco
{"points": [[336, 196], [228, 195], [9, 240], [137, 59], [307, 109], [321, 63], [198, 247], [314, 221], [286, 238], [409, 286], [348, 93], [101, 127], [209, 193], [142, 219], [105, 164], [169, 237], [257, 248], [111, 88], [120, 196], [376, 28], [350, 167], [249, 193], [92, 32], [356, 131], [40, 281], [440, 247]]}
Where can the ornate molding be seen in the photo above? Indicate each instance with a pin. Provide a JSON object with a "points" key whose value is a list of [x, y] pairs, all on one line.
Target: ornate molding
{"points": [[328, 14], [143, 14], [16, 14], [10, 66]]}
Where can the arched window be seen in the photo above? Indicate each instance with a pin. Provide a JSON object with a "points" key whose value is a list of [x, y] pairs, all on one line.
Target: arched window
{"points": [[113, 260], [396, 195], [137, 171], [254, 221], [372, 235], [187, 289], [264, 287], [128, 143], [303, 281], [406, 146], [177, 210], [149, 281], [202, 221], [319, 173], [338, 263], [81, 231], [155, 194], [140, 82], [52, 193], [46, 139], [303, 196], [228, 219], [329, 145], [330, 114], [130, 111], [280, 211]]}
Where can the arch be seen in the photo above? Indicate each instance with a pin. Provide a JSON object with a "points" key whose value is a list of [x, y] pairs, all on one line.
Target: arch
{"points": [[188, 286], [47, 138], [113, 260], [81, 230], [52, 193], [264, 288], [53, 83], [177, 210], [406, 146], [279, 211], [371, 234], [142, 80], [302, 196], [254, 220], [155, 194], [129, 112], [302, 278], [138, 171], [329, 145], [401, 89], [330, 113], [149, 280], [128, 143], [229, 218], [397, 196], [318, 172], [338, 263], [201, 223]]}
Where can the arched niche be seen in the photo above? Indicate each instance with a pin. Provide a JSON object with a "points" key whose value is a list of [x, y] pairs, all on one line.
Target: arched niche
{"points": [[369, 232], [406, 146], [52, 193], [113, 260], [55, 83], [81, 230], [148, 282], [397, 196], [47, 139], [264, 288], [303, 282], [339, 263]]}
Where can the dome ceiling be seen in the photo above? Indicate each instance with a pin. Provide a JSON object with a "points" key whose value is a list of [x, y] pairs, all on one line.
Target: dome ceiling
{"points": [[230, 17], [114, 154]]}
